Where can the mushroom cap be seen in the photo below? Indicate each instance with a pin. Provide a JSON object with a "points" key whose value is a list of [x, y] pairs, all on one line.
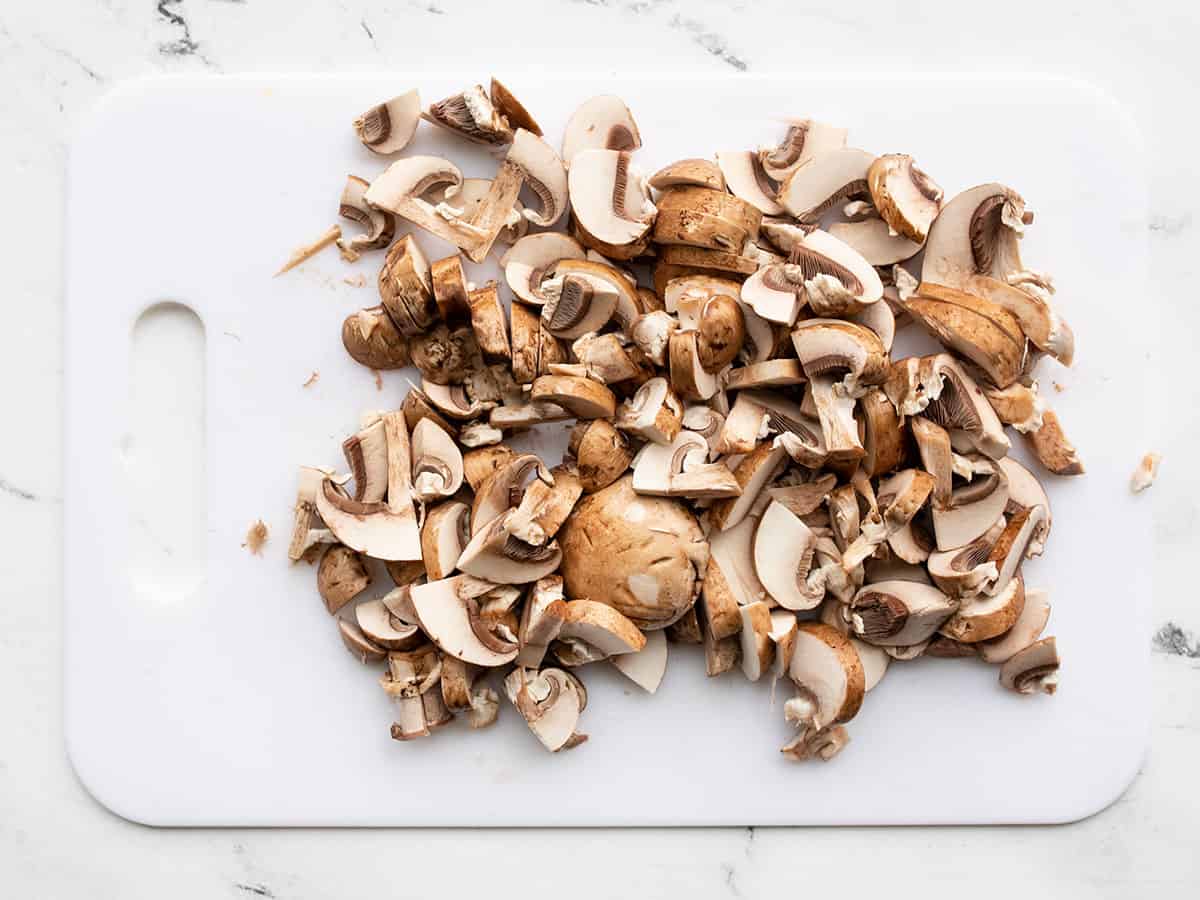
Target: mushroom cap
{"points": [[341, 576], [826, 181], [975, 328], [529, 259], [783, 555], [545, 175], [372, 339], [609, 200], [908, 200], [388, 127], [641, 555], [645, 667], [827, 668], [747, 181], [601, 453], [601, 122]]}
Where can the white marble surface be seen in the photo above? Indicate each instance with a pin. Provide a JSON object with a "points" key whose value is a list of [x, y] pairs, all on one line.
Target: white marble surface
{"points": [[57, 57]]}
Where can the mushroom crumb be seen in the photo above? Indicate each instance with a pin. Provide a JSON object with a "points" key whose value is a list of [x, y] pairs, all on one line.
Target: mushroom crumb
{"points": [[752, 468], [312, 379], [308, 251], [1145, 473], [256, 537]]}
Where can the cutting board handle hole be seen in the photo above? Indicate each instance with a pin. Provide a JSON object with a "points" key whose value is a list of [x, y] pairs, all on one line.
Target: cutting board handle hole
{"points": [[163, 453]]}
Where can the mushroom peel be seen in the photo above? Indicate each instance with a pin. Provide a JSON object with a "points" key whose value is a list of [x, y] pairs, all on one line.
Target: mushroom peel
{"points": [[608, 198], [603, 122], [899, 613], [388, 127], [1032, 669], [907, 199], [437, 462], [645, 667], [602, 627], [784, 550], [826, 181], [804, 141], [449, 613], [550, 701]]}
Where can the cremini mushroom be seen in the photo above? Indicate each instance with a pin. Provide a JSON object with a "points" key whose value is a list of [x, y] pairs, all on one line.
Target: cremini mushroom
{"points": [[372, 339], [437, 464], [444, 534], [550, 702], [833, 346], [366, 454], [768, 374], [307, 530], [360, 646], [987, 617], [701, 217], [583, 397], [681, 469], [529, 259], [1024, 631], [489, 322], [504, 487], [976, 233], [600, 626], [542, 618], [758, 653], [829, 678], [417, 406], [405, 287], [683, 172], [753, 472], [464, 203], [609, 199], [804, 141], [784, 557], [545, 506], [495, 554], [544, 174], [1051, 447], [899, 613], [743, 173], [825, 182], [448, 610], [973, 507], [378, 226], [908, 200], [380, 627], [654, 413], [388, 127], [977, 329], [1033, 669], [341, 576], [400, 188], [603, 122], [957, 404], [472, 115]]}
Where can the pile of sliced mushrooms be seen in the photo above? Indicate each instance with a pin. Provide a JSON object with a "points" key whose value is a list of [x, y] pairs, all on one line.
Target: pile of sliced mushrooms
{"points": [[748, 469]]}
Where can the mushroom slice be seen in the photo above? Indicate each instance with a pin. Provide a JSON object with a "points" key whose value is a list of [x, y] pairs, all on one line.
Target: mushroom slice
{"points": [[768, 374], [837, 279], [899, 613], [542, 619], [937, 457], [1011, 547], [987, 617], [602, 627], [488, 321], [544, 507], [550, 701], [505, 488], [611, 359], [875, 661], [978, 329], [601, 454], [306, 532], [581, 397], [702, 217], [753, 472], [873, 240], [900, 498], [384, 530], [746, 425], [495, 554], [416, 406], [406, 289], [437, 465], [645, 667], [359, 645], [1029, 624], [609, 200], [804, 141], [783, 636], [652, 332], [471, 114], [412, 680], [835, 412], [1033, 669], [465, 201], [382, 628], [973, 507], [964, 572], [526, 415], [529, 259], [720, 654], [1018, 405], [829, 679], [688, 375], [681, 469], [697, 172], [1025, 492], [802, 499], [775, 292], [883, 434], [602, 122], [399, 191], [372, 339], [1030, 306], [513, 111], [784, 549], [747, 181], [730, 581], [448, 610], [444, 534], [379, 227], [367, 456], [758, 653], [827, 347], [879, 318], [456, 681], [976, 233], [959, 405], [827, 181], [1051, 447], [544, 174], [706, 422], [908, 200], [823, 745], [582, 295], [388, 127], [481, 462], [654, 413], [341, 576]]}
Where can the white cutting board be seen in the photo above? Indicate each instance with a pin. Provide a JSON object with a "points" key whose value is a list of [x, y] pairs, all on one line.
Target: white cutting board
{"points": [[207, 686]]}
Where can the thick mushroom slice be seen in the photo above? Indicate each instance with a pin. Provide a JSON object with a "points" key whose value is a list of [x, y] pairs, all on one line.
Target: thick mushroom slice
{"points": [[884, 434], [610, 201], [581, 296], [581, 397], [746, 425], [388, 127], [684, 172], [747, 181], [471, 114], [769, 374], [542, 619], [1029, 304], [681, 469], [525, 415], [702, 217], [504, 488], [437, 463], [529, 259], [382, 628], [730, 581], [481, 462], [489, 322], [1026, 492], [384, 530], [829, 678], [964, 572], [379, 227], [875, 661], [827, 181], [367, 456], [341, 576], [784, 556], [645, 667], [977, 329], [544, 174], [550, 701], [835, 412], [372, 339], [444, 534], [1033, 669], [405, 287], [804, 141], [360, 646], [495, 554], [600, 626], [417, 406], [1051, 447], [603, 122], [960, 406], [753, 472], [976, 233], [654, 413], [758, 653], [400, 188], [899, 613], [908, 200], [874, 241], [974, 506], [783, 636], [707, 423], [449, 613], [652, 332], [1029, 625], [688, 375], [837, 279], [987, 617], [601, 453], [828, 347], [544, 507]]}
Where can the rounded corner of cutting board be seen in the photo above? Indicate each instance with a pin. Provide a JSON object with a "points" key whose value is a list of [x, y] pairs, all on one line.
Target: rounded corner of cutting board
{"points": [[94, 778]]}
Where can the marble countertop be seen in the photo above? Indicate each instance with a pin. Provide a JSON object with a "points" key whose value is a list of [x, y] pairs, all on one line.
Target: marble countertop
{"points": [[58, 56]]}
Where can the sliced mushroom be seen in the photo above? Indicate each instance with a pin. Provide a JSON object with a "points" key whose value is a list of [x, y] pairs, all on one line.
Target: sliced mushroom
{"points": [[372, 340], [645, 667], [978, 329], [495, 554], [504, 488], [582, 397], [379, 227], [901, 497], [758, 653], [529, 259], [802, 499], [702, 217], [602, 627], [601, 454], [1025, 492], [976, 233], [744, 174], [471, 114], [542, 619], [688, 375], [405, 287], [959, 405], [465, 201], [341, 576], [884, 435], [681, 469], [400, 188], [987, 617], [827, 181], [908, 200], [1030, 623], [1011, 547], [1033, 669], [654, 413], [746, 425], [448, 610], [731, 582], [544, 174], [581, 296], [973, 507], [1030, 306], [784, 556], [417, 406], [388, 127], [706, 422], [488, 321], [437, 464], [306, 533], [610, 201], [831, 346], [899, 613], [875, 661], [873, 240], [1019, 405], [835, 412], [367, 456], [381, 628], [545, 507], [804, 141], [444, 534], [652, 332], [829, 678], [602, 122], [753, 472], [720, 654], [412, 680], [964, 573], [1051, 447], [550, 701], [445, 354], [836, 279], [696, 172], [359, 645]]}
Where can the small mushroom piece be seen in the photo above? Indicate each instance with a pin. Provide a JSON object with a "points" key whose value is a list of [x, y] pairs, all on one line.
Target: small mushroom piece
{"points": [[610, 201], [550, 701], [960, 406], [837, 280], [449, 613], [977, 329], [513, 111], [685, 172], [706, 422], [545, 507], [804, 141], [783, 636], [758, 653], [753, 472], [603, 122], [688, 375], [544, 174], [471, 114], [379, 227], [444, 534], [465, 201], [359, 645], [835, 412], [1033, 669], [1011, 547], [529, 259], [829, 679], [730, 581], [367, 456], [973, 507], [964, 573], [743, 172], [803, 499], [1029, 304], [651, 332], [400, 188], [784, 553], [456, 682], [600, 626], [372, 340], [654, 413], [907, 199], [388, 127], [581, 297], [611, 359], [976, 233], [504, 488], [381, 628], [601, 454], [412, 680], [450, 289], [306, 530], [542, 618], [901, 497], [1019, 405], [681, 469], [581, 397], [493, 553], [524, 416], [1051, 447], [987, 617], [341, 576], [722, 330], [488, 321], [702, 217], [827, 181], [875, 661], [445, 354], [481, 462], [884, 435], [417, 406], [1026, 493], [873, 240], [768, 374], [645, 667], [899, 613], [746, 425], [826, 346], [406, 289], [1029, 625], [720, 654], [879, 318], [437, 464], [937, 457]]}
